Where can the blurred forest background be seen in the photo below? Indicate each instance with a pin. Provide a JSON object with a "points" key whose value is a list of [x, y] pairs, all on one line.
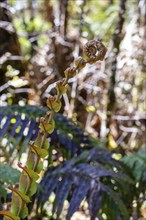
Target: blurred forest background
{"points": [[40, 38]]}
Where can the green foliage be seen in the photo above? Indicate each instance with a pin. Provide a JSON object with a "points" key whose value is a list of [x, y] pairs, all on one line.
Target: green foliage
{"points": [[112, 186], [85, 168], [8, 176], [69, 134], [137, 164], [87, 176], [114, 202]]}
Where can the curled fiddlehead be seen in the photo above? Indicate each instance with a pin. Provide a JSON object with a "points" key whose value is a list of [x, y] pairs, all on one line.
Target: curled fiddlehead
{"points": [[95, 51], [21, 195]]}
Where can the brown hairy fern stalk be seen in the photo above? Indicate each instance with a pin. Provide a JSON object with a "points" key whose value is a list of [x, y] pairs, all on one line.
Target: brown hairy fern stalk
{"points": [[94, 50]]}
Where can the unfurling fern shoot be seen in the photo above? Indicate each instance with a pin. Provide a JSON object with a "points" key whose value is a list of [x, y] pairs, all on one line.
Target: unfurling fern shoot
{"points": [[94, 50]]}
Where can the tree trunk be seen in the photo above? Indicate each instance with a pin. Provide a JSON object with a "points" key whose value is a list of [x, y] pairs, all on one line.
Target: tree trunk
{"points": [[117, 37]]}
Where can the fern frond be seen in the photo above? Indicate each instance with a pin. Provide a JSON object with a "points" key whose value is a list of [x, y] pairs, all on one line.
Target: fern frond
{"points": [[62, 193], [137, 164], [79, 178], [79, 193], [119, 204], [16, 119], [47, 186], [94, 200]]}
